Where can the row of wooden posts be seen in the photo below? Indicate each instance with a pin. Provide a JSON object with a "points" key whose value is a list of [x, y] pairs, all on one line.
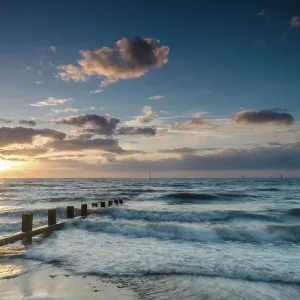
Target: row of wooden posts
{"points": [[27, 220]]}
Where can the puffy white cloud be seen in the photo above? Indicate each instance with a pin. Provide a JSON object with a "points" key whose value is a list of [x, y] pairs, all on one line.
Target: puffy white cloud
{"points": [[148, 113], [51, 101], [126, 59]]}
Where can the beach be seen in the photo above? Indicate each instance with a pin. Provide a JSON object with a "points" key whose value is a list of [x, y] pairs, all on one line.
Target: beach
{"points": [[172, 239], [29, 279]]}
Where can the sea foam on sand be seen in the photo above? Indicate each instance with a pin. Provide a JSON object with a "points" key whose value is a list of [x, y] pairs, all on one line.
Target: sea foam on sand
{"points": [[39, 281]]}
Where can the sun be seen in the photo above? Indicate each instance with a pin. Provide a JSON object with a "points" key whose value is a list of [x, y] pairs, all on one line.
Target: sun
{"points": [[4, 165]]}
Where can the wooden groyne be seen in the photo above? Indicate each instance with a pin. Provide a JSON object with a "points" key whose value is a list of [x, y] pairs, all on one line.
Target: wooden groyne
{"points": [[27, 221]]}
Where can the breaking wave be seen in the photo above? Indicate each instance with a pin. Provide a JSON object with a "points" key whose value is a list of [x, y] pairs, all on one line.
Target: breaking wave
{"points": [[193, 232]]}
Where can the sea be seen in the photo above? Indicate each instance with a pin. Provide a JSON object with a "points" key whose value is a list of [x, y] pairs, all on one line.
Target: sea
{"points": [[172, 238]]}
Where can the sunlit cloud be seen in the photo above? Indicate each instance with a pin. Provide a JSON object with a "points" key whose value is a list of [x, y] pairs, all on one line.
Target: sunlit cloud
{"points": [[65, 110], [25, 135], [194, 123], [51, 101], [148, 113], [126, 59], [39, 82]]}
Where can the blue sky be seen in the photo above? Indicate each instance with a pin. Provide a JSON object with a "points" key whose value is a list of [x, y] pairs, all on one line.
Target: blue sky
{"points": [[223, 58]]}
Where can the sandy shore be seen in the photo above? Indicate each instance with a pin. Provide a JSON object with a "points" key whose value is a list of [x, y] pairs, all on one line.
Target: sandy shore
{"points": [[32, 280]]}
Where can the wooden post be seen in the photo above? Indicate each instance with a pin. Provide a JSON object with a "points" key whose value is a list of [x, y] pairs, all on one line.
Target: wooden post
{"points": [[83, 210], [121, 201], [51, 217], [70, 212], [95, 204], [116, 202], [103, 204], [26, 222], [110, 203]]}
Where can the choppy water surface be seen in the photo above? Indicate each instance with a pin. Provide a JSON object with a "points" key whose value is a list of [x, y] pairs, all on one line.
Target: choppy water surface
{"points": [[173, 238]]}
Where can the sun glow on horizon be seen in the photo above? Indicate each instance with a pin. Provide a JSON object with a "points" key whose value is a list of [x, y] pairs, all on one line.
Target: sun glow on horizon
{"points": [[5, 164]]}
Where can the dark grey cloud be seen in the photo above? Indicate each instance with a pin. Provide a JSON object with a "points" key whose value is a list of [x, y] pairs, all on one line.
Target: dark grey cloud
{"points": [[148, 131], [126, 59], [286, 157], [27, 122], [5, 121], [25, 135], [182, 150], [102, 125], [271, 117], [79, 144]]}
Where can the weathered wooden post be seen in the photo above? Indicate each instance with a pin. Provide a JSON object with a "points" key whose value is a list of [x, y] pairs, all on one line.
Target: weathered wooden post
{"points": [[116, 202], [121, 201], [70, 212], [110, 203], [95, 204], [83, 210], [51, 217], [103, 204], [26, 222]]}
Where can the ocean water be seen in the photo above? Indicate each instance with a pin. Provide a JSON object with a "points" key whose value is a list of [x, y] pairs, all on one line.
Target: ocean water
{"points": [[172, 238]]}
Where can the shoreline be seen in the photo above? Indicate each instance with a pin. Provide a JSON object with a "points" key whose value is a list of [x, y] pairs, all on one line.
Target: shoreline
{"points": [[34, 280]]}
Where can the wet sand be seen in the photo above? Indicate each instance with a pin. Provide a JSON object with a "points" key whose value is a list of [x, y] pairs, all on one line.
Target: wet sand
{"points": [[32, 280]]}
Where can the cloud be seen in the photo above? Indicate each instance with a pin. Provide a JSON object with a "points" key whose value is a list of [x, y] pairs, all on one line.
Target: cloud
{"points": [[126, 59], [24, 151], [182, 150], [71, 73], [27, 122], [194, 123], [25, 135], [79, 144], [295, 22], [5, 121], [148, 131], [28, 68], [96, 91], [39, 82], [148, 113], [52, 48], [157, 97], [286, 157], [66, 110], [102, 125], [269, 117], [51, 101]]}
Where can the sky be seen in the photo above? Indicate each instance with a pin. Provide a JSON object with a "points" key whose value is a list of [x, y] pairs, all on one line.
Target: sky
{"points": [[113, 89]]}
